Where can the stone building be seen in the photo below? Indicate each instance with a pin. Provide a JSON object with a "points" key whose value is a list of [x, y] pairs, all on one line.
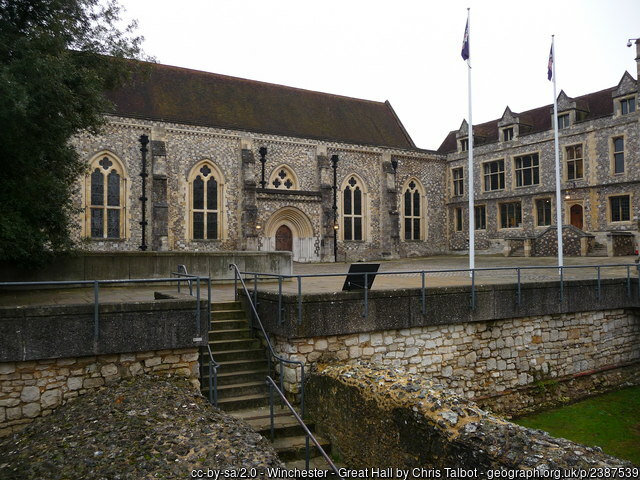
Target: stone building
{"points": [[237, 164], [514, 176]]}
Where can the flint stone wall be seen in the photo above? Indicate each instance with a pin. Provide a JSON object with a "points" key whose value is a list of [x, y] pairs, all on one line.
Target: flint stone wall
{"points": [[33, 389], [379, 418]]}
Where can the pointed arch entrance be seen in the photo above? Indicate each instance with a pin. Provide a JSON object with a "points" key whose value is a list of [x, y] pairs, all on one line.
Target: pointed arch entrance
{"points": [[289, 229]]}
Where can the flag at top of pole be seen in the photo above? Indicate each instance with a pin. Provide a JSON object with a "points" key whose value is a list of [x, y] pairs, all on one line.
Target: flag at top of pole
{"points": [[465, 42], [550, 65]]}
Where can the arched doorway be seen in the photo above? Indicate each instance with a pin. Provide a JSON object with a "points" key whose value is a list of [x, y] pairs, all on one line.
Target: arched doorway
{"points": [[284, 239], [575, 215]]}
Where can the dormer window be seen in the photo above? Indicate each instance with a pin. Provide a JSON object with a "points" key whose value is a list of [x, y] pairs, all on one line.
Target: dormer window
{"points": [[563, 121], [627, 105], [464, 144], [507, 134]]}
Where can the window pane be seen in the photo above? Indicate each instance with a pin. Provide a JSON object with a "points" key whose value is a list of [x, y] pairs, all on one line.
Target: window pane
{"points": [[407, 229], [407, 203], [212, 194], [619, 163], [198, 194], [357, 228], [97, 188], [113, 189], [357, 201], [416, 228], [416, 204], [198, 225], [97, 222], [113, 223], [347, 201], [347, 229], [212, 226]]}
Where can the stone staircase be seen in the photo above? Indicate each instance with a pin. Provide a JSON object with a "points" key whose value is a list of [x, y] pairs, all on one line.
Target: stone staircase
{"points": [[242, 388]]}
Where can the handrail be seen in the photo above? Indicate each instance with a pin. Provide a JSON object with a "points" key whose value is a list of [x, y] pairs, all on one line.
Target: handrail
{"points": [[213, 388], [308, 434], [282, 360]]}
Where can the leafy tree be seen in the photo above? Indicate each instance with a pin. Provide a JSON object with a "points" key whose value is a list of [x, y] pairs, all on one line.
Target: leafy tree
{"points": [[57, 58]]}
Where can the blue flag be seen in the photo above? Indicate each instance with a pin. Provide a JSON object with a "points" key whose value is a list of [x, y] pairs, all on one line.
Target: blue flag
{"points": [[465, 43], [550, 65]]}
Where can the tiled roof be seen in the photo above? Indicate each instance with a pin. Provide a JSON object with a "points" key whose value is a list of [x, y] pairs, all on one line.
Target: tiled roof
{"points": [[180, 95], [598, 104]]}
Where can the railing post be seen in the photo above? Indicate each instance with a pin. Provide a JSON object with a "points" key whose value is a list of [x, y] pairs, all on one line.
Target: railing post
{"points": [[519, 288], [299, 300], [423, 294], [210, 382], [255, 300], [280, 319], [561, 284], [235, 284], [628, 282], [599, 288], [366, 295], [198, 323], [271, 410], [96, 311], [473, 289], [210, 300], [638, 271], [302, 389]]}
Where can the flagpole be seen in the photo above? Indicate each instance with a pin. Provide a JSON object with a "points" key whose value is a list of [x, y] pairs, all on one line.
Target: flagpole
{"points": [[472, 242], [557, 155]]}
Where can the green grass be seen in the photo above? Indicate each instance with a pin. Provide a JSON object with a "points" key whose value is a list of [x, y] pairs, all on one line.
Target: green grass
{"points": [[610, 421]]}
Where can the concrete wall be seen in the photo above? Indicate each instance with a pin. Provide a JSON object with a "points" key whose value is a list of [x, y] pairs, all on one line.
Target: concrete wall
{"points": [[130, 265], [380, 418]]}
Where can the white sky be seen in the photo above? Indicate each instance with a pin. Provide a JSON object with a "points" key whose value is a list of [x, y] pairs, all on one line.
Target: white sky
{"points": [[404, 51]]}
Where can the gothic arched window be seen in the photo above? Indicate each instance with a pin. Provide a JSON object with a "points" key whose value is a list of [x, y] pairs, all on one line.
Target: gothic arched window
{"points": [[353, 209], [106, 186], [412, 223], [205, 202]]}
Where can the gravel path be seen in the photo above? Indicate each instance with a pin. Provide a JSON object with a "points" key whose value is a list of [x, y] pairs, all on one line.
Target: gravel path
{"points": [[142, 428]]}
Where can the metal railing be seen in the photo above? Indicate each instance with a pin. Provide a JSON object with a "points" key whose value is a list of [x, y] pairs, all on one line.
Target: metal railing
{"points": [[279, 359], [559, 275], [96, 292], [213, 384], [308, 435]]}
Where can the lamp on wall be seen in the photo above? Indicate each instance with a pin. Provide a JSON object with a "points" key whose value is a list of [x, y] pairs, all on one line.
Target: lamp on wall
{"points": [[258, 231], [394, 165], [263, 160], [144, 141], [631, 40]]}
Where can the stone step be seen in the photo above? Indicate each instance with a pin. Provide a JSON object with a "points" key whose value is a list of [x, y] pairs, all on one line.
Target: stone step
{"points": [[230, 324], [293, 448], [231, 404], [228, 315], [218, 346], [240, 376], [315, 463], [217, 306], [242, 389], [242, 365], [229, 334], [225, 356]]}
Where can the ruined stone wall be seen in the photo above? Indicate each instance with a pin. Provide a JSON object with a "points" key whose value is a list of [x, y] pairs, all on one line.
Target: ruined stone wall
{"points": [[490, 358], [35, 388], [385, 418]]}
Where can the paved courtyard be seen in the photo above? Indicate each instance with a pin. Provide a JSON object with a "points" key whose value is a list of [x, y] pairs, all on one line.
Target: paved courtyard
{"points": [[533, 269]]}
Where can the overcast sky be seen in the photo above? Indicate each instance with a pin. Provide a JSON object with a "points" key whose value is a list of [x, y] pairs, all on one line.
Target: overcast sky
{"points": [[404, 51]]}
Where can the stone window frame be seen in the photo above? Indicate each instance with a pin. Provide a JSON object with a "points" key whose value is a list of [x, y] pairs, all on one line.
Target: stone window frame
{"points": [[463, 144], [609, 198], [112, 164], [568, 160], [627, 100], [508, 134], [500, 215], [535, 212], [458, 219], [475, 217], [419, 188], [280, 176], [457, 183], [216, 172], [364, 215], [613, 153], [564, 120], [485, 175], [520, 170]]}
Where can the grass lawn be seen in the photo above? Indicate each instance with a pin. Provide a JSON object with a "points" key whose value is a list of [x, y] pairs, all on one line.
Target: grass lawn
{"points": [[610, 421]]}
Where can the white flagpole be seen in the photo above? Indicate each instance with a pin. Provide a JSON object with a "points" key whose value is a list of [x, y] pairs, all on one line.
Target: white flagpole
{"points": [[472, 242], [557, 154]]}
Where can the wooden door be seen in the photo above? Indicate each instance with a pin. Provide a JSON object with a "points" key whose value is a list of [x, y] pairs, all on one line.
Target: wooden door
{"points": [[576, 216], [284, 238]]}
